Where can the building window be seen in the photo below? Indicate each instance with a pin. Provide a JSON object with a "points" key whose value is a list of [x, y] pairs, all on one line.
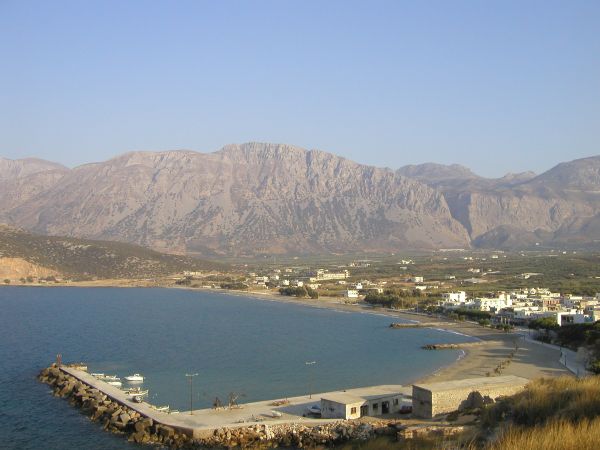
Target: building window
{"points": [[353, 410], [395, 402], [375, 406]]}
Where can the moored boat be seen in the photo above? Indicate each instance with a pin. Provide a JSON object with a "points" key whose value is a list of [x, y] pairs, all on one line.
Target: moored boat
{"points": [[116, 383], [135, 392], [135, 377], [164, 408]]}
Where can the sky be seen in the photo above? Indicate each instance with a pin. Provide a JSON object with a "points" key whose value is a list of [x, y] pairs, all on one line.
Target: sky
{"points": [[497, 86]]}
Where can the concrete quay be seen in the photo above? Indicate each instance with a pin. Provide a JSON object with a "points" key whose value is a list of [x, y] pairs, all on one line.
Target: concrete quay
{"points": [[204, 421]]}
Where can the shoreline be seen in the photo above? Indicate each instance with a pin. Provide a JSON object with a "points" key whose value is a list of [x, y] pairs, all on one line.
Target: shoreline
{"points": [[530, 360]]}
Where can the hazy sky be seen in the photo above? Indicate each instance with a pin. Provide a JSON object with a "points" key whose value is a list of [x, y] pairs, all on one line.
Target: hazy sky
{"points": [[497, 86]]}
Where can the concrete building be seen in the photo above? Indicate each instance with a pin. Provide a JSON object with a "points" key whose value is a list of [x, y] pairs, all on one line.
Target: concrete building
{"points": [[351, 293], [454, 297], [496, 304], [323, 275], [431, 399], [189, 273], [417, 279], [342, 405]]}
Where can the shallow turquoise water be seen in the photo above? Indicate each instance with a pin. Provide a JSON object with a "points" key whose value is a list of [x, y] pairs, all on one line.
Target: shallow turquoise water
{"points": [[249, 346]]}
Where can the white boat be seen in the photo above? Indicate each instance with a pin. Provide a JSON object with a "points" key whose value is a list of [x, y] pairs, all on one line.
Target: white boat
{"points": [[116, 383], [164, 408], [274, 414], [111, 378], [97, 375], [136, 392], [135, 377]]}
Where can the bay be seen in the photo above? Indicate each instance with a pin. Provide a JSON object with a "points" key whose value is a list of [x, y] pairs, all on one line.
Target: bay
{"points": [[252, 347]]}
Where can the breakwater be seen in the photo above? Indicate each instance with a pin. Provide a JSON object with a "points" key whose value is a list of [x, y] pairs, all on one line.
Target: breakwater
{"points": [[446, 346], [138, 423], [418, 324]]}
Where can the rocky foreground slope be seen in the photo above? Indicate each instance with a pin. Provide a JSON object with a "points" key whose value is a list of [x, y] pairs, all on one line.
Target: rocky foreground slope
{"points": [[267, 198]]}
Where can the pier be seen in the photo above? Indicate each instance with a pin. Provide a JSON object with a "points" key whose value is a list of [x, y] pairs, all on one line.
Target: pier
{"points": [[242, 424]]}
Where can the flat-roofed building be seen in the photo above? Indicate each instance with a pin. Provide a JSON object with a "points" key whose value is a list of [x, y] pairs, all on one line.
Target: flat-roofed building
{"points": [[346, 405], [431, 399]]}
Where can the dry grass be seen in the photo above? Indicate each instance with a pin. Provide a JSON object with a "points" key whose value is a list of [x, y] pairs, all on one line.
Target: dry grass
{"points": [[555, 435], [549, 399], [550, 414]]}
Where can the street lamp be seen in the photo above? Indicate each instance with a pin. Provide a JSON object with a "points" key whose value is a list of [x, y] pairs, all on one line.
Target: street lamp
{"points": [[191, 378], [310, 382]]}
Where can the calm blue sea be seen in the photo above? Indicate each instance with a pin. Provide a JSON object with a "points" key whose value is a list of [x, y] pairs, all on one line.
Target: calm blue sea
{"points": [[253, 347]]}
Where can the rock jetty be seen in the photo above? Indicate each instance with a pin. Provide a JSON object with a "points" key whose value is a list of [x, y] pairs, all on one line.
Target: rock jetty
{"points": [[460, 345], [416, 325], [118, 418]]}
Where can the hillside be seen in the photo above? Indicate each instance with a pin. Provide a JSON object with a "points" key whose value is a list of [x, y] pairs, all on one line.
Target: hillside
{"points": [[25, 254], [269, 198]]}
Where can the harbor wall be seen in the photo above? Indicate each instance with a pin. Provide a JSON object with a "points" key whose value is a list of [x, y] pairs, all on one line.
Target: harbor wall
{"points": [[138, 424]]}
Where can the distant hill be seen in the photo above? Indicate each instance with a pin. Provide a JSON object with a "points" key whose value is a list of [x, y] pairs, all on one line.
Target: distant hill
{"points": [[258, 198], [36, 255]]}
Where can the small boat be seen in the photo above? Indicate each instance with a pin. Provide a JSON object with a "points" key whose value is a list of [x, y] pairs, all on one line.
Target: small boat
{"points": [[133, 392], [164, 408], [116, 383], [274, 414], [97, 375], [135, 377], [137, 398], [111, 378]]}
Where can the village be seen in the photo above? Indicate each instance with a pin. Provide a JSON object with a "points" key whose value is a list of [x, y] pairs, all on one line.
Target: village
{"points": [[448, 294]]}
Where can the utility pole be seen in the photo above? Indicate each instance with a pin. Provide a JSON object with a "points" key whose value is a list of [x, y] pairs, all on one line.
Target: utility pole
{"points": [[191, 378], [310, 378]]}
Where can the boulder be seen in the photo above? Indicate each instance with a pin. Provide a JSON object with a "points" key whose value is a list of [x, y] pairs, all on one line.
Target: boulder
{"points": [[166, 432], [125, 418]]}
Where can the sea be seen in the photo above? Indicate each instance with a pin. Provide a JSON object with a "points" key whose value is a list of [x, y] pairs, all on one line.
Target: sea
{"points": [[250, 348]]}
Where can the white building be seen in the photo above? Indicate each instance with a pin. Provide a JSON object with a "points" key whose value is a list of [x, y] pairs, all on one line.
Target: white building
{"points": [[417, 279], [344, 405], [496, 304], [351, 293], [261, 280], [455, 297], [189, 273], [323, 275]]}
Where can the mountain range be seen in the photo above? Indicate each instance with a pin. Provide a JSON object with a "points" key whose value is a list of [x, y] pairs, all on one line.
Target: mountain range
{"points": [[258, 198]]}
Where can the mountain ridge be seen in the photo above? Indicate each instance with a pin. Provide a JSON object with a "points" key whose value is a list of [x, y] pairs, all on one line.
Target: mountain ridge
{"points": [[276, 198]]}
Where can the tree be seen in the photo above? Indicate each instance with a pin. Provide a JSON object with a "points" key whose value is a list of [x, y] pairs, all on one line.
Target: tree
{"points": [[6, 281], [544, 323]]}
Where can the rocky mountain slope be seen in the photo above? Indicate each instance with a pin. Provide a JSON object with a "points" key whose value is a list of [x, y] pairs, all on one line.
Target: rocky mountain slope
{"points": [[558, 207], [255, 198], [24, 254]]}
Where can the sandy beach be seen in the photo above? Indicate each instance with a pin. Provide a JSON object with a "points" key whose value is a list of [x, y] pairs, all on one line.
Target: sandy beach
{"points": [[530, 360]]}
